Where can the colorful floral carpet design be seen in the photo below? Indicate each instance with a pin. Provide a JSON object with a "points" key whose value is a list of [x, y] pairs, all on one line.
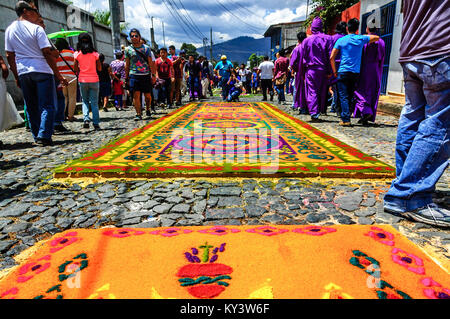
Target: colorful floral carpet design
{"points": [[228, 262], [226, 139]]}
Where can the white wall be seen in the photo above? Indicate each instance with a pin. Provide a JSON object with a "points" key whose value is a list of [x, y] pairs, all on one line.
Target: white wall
{"points": [[395, 77]]}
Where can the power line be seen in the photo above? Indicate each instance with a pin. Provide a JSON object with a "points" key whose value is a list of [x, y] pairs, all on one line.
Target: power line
{"points": [[184, 19], [177, 19], [226, 9], [193, 23]]}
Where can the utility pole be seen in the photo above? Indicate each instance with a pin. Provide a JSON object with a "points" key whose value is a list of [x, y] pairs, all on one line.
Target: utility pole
{"points": [[164, 35], [115, 23], [152, 35], [211, 47]]}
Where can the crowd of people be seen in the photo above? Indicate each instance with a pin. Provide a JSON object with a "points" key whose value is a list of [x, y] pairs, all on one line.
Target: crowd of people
{"points": [[345, 68]]}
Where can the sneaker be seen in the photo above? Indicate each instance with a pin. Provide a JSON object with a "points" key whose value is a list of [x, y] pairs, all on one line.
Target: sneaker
{"points": [[316, 120], [105, 109], [148, 113], [86, 124], [97, 127], [345, 124], [138, 118], [432, 214]]}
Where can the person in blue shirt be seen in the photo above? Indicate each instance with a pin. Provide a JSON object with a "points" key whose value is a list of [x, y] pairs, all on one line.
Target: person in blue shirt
{"points": [[235, 88], [255, 81], [350, 47], [223, 71]]}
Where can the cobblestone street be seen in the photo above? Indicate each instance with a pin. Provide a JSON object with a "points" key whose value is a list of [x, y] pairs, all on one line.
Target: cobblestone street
{"points": [[34, 206]]}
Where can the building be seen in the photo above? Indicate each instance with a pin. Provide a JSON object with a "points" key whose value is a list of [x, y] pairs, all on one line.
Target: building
{"points": [[283, 35]]}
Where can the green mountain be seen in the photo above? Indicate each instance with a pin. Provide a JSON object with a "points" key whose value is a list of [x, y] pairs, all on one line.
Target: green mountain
{"points": [[239, 49]]}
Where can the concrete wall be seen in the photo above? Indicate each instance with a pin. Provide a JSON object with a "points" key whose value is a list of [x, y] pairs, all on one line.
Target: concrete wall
{"points": [[395, 77], [55, 19]]}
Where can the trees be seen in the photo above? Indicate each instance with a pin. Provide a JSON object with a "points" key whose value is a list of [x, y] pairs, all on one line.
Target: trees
{"points": [[104, 17], [255, 60], [190, 49], [328, 10]]}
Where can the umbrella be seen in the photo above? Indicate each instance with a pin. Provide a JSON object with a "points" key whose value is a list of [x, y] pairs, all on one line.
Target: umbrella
{"points": [[65, 34]]}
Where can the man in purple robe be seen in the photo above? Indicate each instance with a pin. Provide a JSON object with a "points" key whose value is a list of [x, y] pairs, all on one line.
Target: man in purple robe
{"points": [[299, 82], [317, 69], [368, 89]]}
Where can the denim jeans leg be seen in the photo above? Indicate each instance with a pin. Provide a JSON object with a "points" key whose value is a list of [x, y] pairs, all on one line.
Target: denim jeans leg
{"points": [[342, 88], [46, 96], [61, 107], [423, 142], [93, 96], [84, 90], [29, 90]]}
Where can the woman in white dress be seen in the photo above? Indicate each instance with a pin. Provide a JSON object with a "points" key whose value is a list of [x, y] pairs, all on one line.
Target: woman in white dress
{"points": [[9, 116]]}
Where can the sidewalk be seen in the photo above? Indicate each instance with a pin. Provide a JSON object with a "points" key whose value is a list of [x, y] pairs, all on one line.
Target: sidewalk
{"points": [[391, 104]]}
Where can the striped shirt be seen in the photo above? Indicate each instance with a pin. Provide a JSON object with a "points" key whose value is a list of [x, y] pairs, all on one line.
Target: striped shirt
{"points": [[62, 66]]}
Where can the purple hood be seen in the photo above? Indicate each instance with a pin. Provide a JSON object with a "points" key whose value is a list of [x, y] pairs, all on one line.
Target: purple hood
{"points": [[317, 25]]}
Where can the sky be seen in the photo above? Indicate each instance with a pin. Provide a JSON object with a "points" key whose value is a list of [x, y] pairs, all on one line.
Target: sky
{"points": [[228, 18]]}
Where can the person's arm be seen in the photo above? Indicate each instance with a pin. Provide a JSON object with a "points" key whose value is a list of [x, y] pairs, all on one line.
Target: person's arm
{"points": [[127, 69], [48, 55], [172, 73], [76, 66], [99, 65], [334, 54], [5, 71], [152, 65], [373, 38]]}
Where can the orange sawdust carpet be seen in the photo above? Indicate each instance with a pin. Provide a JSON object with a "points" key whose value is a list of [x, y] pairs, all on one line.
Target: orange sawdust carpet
{"points": [[229, 262]]}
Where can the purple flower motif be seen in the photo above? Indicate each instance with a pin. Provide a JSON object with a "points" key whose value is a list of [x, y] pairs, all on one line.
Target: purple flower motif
{"points": [[196, 259], [189, 257], [195, 251], [222, 248], [215, 251], [214, 258]]}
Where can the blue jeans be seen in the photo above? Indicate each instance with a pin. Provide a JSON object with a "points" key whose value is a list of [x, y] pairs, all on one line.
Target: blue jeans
{"points": [[346, 83], [89, 95], [39, 93], [60, 107], [280, 91], [233, 95], [225, 89], [334, 103], [423, 138]]}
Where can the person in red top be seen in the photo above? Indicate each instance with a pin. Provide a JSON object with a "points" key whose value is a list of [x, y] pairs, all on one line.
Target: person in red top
{"points": [[65, 67], [178, 75], [165, 72], [281, 70]]}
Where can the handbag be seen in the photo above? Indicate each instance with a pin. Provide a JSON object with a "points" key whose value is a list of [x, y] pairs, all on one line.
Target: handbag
{"points": [[281, 80]]}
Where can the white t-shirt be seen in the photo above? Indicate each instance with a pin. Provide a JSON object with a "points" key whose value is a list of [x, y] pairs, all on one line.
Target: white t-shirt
{"points": [[266, 70], [27, 40], [243, 74]]}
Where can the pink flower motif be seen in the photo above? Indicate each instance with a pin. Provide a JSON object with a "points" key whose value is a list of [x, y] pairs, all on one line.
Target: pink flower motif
{"points": [[33, 268], [409, 261], [219, 230], [434, 290], [61, 242], [381, 236], [123, 232], [170, 232], [267, 230], [12, 291], [314, 230]]}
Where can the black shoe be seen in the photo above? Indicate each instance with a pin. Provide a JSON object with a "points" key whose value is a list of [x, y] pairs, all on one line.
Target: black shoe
{"points": [[61, 129], [263, 100], [138, 118], [316, 120], [43, 142], [148, 113], [105, 109], [1, 155], [97, 127], [86, 124], [178, 104]]}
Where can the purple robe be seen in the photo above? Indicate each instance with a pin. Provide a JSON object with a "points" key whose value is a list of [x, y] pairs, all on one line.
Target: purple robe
{"points": [[316, 67], [368, 89], [296, 62]]}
